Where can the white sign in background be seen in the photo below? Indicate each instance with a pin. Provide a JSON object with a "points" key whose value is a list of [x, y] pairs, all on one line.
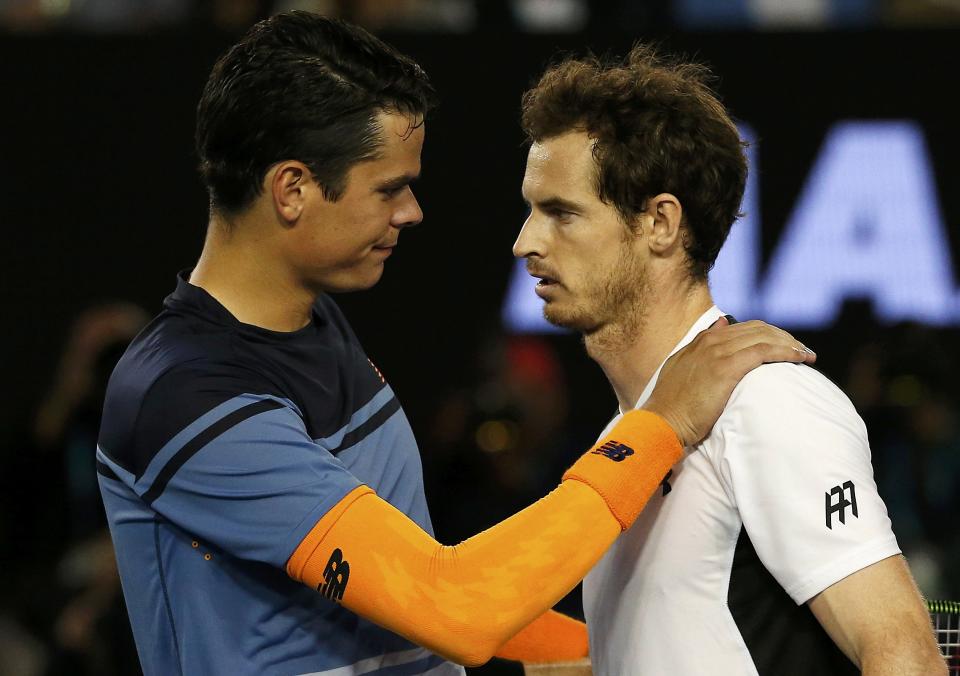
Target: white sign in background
{"points": [[867, 225]]}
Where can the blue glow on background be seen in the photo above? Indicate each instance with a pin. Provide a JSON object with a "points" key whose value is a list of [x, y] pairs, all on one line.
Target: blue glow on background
{"points": [[866, 225], [522, 308]]}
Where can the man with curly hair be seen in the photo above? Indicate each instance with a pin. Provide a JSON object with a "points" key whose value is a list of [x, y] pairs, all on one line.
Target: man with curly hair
{"points": [[768, 550]]}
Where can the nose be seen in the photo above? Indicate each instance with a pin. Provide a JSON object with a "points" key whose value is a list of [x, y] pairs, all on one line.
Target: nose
{"points": [[528, 241], [408, 211]]}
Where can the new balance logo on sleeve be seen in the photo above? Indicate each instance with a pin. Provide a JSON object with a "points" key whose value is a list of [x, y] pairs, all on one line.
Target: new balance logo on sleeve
{"points": [[614, 450], [840, 493], [335, 576]]}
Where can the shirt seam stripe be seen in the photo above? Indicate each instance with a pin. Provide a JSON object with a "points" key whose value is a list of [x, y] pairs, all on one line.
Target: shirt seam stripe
{"points": [[166, 595]]}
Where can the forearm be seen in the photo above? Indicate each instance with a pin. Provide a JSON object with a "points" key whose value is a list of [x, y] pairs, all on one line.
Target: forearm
{"points": [[464, 602], [552, 637], [900, 656], [902, 647], [877, 617]]}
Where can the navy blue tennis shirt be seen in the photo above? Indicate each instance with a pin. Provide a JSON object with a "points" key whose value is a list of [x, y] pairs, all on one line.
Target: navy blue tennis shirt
{"points": [[221, 446]]}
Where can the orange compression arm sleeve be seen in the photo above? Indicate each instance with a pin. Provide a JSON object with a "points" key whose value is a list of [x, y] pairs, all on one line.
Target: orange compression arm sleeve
{"points": [[464, 602], [552, 637]]}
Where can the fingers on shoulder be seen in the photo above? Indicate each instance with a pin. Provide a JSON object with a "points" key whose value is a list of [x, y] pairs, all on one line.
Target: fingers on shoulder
{"points": [[758, 333], [752, 355]]}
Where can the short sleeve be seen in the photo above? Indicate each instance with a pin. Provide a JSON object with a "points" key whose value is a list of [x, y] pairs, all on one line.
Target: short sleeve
{"points": [[794, 456], [243, 474]]}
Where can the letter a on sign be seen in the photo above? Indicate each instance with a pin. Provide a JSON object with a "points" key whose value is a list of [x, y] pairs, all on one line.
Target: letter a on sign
{"points": [[867, 225]]}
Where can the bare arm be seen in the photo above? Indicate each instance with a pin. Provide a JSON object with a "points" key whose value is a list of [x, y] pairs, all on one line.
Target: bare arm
{"points": [[877, 618]]}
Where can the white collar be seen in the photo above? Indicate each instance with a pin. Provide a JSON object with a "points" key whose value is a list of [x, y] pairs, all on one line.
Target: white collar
{"points": [[703, 323]]}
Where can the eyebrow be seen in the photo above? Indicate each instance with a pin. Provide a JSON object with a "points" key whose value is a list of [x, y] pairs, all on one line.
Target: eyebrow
{"points": [[398, 182], [556, 204]]}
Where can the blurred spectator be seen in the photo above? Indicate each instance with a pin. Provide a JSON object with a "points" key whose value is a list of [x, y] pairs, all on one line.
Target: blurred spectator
{"points": [[69, 593], [928, 13], [905, 387], [502, 443], [95, 15], [458, 16], [551, 16], [454, 16], [234, 16], [68, 419], [137, 16], [20, 653]]}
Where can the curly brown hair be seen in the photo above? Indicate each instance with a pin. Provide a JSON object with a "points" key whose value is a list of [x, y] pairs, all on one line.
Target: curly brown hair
{"points": [[658, 128]]}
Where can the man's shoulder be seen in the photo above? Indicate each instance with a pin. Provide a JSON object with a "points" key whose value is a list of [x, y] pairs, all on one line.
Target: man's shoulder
{"points": [[770, 387], [778, 404], [173, 358], [171, 375]]}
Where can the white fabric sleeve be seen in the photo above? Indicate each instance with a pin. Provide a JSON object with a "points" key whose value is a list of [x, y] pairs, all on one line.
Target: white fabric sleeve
{"points": [[793, 454]]}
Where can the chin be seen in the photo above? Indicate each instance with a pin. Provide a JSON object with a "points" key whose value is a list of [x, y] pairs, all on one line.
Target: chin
{"points": [[354, 282], [575, 319]]}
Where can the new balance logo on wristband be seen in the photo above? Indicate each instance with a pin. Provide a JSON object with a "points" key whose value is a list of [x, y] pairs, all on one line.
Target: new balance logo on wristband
{"points": [[614, 450], [335, 576]]}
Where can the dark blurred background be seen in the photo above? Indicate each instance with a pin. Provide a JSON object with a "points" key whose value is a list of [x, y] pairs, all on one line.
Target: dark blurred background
{"points": [[849, 241]]}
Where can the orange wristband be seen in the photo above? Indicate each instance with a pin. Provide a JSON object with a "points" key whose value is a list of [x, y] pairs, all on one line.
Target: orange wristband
{"points": [[626, 466]]}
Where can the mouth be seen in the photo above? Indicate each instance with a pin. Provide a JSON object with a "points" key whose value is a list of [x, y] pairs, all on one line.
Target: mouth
{"points": [[545, 286], [544, 280], [385, 249]]}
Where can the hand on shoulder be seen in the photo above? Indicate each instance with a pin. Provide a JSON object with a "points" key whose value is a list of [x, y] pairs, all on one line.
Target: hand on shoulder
{"points": [[695, 383]]}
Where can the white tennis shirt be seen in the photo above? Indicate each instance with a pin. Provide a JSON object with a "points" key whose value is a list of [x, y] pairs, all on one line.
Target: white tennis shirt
{"points": [[773, 507]]}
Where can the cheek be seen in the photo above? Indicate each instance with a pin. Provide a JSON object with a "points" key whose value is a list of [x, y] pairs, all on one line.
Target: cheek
{"points": [[374, 222], [356, 234], [583, 267], [593, 269]]}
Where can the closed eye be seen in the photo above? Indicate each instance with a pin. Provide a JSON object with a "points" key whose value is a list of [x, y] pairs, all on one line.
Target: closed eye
{"points": [[392, 192], [559, 214], [557, 208], [396, 186]]}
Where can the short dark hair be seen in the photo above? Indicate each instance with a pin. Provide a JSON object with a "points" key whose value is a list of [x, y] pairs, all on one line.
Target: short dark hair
{"points": [[305, 87], [658, 128]]}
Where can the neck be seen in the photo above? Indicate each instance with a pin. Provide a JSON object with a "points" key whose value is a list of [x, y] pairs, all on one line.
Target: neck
{"points": [[630, 351], [240, 268]]}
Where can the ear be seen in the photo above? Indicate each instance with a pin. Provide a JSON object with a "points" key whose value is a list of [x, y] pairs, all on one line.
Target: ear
{"points": [[289, 184], [664, 220]]}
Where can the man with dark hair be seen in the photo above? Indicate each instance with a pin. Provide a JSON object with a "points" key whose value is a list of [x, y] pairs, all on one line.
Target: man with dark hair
{"points": [[262, 484], [634, 177]]}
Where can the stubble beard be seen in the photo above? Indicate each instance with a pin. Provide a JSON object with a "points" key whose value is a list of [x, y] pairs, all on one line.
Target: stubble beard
{"points": [[613, 311]]}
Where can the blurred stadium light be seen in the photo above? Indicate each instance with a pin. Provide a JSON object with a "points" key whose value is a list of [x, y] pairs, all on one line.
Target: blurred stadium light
{"points": [[774, 14]]}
